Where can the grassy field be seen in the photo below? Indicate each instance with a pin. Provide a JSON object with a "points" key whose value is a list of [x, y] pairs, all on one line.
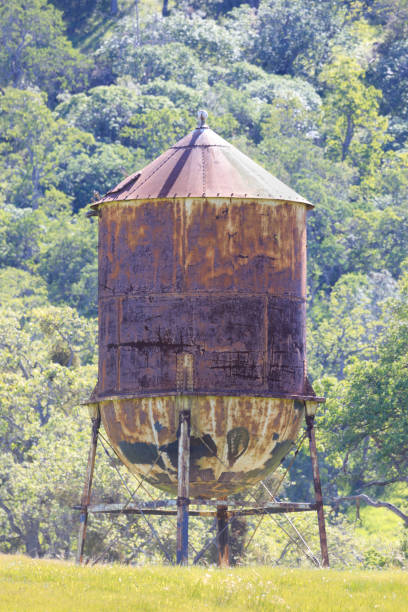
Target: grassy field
{"points": [[38, 585]]}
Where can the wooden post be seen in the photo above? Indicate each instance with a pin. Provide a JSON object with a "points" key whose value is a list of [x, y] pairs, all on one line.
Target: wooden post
{"points": [[317, 488], [183, 487], [222, 536], [86, 496]]}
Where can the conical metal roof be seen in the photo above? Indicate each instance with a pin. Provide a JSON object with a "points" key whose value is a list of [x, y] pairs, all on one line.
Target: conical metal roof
{"points": [[202, 164]]}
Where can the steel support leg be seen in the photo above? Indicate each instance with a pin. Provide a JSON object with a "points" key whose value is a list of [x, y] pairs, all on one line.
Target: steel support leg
{"points": [[318, 490], [86, 496], [183, 487], [222, 536]]}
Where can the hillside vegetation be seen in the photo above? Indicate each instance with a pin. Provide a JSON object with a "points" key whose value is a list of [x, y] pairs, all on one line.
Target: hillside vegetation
{"points": [[316, 92]]}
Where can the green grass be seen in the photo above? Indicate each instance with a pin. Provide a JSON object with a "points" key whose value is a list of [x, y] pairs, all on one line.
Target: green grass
{"points": [[46, 586]]}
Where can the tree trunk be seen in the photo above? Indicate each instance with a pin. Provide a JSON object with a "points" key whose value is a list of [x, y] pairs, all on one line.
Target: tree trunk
{"points": [[165, 8], [32, 543], [348, 138], [238, 532], [371, 502]]}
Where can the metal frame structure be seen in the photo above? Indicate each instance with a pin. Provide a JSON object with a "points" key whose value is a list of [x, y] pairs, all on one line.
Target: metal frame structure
{"points": [[181, 507]]}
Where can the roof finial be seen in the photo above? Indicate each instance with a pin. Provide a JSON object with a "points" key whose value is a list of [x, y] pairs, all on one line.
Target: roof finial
{"points": [[202, 117]]}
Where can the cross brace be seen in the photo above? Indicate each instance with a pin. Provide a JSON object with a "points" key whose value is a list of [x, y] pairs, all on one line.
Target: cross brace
{"points": [[270, 508]]}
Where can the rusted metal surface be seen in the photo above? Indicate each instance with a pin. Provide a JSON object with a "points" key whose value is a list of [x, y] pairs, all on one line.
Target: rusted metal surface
{"points": [[131, 508], [202, 288], [278, 508], [233, 505], [86, 496], [202, 164], [222, 281], [318, 490], [183, 489], [235, 441], [222, 536]]}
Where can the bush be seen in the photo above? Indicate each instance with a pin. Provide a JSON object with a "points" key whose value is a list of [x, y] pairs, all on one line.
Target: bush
{"points": [[96, 170], [294, 37], [210, 41], [119, 56]]}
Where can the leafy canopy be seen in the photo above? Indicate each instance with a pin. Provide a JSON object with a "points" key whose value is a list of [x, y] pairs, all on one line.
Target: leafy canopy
{"points": [[34, 49], [351, 124], [33, 143]]}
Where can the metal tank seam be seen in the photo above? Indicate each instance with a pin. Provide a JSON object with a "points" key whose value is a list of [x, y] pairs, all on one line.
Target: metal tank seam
{"points": [[204, 175]]}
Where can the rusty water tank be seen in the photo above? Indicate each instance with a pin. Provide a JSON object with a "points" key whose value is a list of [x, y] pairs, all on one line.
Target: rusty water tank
{"points": [[202, 282]]}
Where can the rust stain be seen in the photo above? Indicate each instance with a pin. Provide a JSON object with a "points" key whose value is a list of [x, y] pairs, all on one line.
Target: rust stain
{"points": [[222, 291], [233, 442], [202, 164], [202, 292]]}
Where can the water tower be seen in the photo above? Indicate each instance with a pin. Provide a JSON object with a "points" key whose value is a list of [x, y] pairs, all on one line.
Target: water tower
{"points": [[202, 385]]}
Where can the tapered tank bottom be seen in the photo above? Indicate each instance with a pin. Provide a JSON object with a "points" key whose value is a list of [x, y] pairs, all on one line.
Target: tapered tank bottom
{"points": [[235, 441]]}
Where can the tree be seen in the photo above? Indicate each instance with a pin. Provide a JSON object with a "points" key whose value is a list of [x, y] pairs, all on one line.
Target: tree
{"points": [[376, 240], [366, 421], [81, 16], [96, 169], [22, 232], [156, 130], [211, 41], [34, 49], [42, 379], [218, 7], [104, 110], [180, 95], [348, 323], [390, 74], [19, 287], [68, 264], [294, 37], [120, 56], [246, 109], [32, 144], [273, 87], [287, 150], [351, 124], [47, 367], [58, 248]]}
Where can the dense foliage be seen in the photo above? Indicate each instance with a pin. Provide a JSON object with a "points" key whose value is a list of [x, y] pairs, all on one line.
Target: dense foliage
{"points": [[317, 92]]}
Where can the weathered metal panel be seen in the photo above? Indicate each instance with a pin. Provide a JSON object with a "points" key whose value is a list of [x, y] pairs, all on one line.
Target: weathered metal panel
{"points": [[246, 246], [221, 280], [136, 248], [286, 345], [235, 441]]}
